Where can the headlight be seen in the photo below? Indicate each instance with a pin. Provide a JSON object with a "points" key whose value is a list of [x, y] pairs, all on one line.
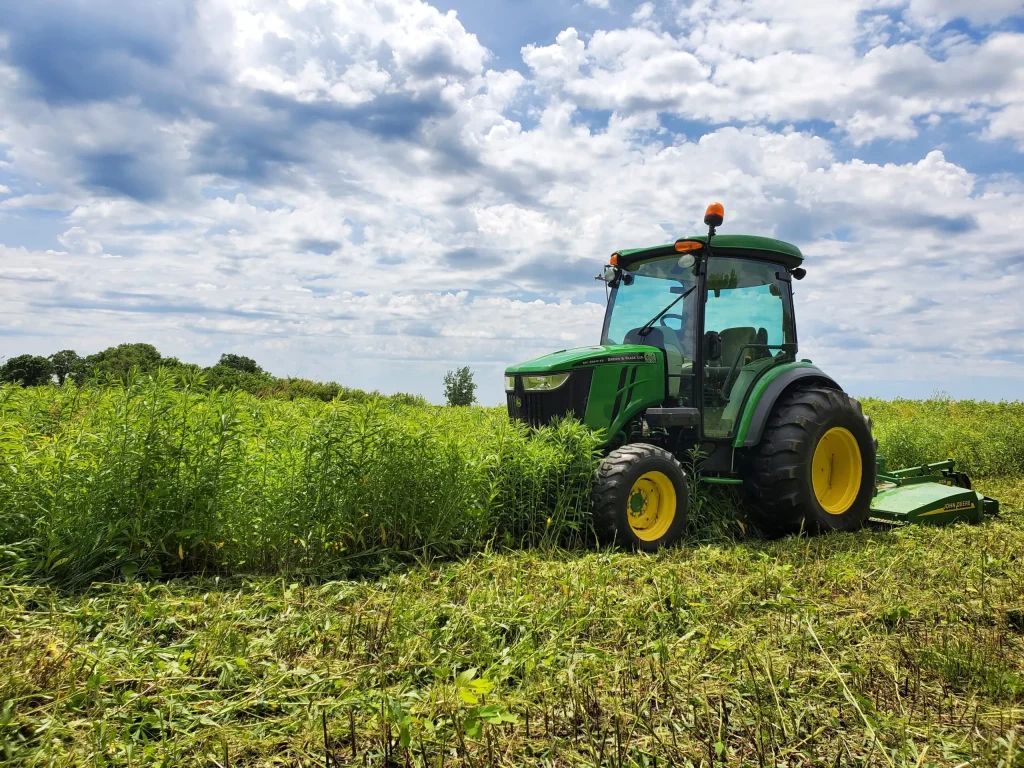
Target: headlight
{"points": [[510, 383], [544, 383]]}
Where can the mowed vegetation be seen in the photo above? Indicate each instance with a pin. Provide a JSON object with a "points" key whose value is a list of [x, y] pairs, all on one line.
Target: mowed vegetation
{"points": [[882, 648], [191, 577]]}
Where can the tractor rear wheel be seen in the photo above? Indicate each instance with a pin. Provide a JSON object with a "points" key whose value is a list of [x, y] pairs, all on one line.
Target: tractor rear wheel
{"points": [[640, 498], [815, 465]]}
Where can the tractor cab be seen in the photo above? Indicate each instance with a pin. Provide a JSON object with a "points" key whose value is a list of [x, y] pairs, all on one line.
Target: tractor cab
{"points": [[721, 318], [690, 329]]}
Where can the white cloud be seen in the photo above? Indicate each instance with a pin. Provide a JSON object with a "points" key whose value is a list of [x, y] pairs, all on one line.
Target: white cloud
{"points": [[77, 241], [1008, 124], [560, 61], [799, 65], [936, 13], [643, 12]]}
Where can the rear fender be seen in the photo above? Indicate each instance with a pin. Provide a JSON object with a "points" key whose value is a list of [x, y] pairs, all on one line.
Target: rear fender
{"points": [[767, 390]]}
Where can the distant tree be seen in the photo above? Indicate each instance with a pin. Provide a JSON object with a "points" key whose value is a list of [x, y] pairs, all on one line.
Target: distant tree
{"points": [[406, 398], [65, 363], [27, 370], [224, 377], [116, 362], [459, 387], [294, 389], [240, 363]]}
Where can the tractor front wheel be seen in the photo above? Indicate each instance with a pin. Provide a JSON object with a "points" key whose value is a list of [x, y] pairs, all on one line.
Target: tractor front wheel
{"points": [[640, 498], [815, 465]]}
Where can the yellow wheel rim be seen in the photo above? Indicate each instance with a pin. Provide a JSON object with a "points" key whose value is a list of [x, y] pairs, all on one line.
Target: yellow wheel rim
{"points": [[651, 506], [837, 470]]}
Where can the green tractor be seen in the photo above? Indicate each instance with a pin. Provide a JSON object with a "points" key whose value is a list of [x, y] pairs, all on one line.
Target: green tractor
{"points": [[698, 357]]}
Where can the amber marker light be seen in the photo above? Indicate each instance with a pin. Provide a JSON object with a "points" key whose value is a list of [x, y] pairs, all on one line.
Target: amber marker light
{"points": [[614, 260], [688, 245]]}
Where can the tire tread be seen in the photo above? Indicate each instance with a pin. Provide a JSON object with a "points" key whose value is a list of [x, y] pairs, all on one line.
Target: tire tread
{"points": [[775, 476], [610, 489]]}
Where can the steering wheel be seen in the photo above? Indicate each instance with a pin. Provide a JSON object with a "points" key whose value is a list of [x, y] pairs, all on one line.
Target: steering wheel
{"points": [[674, 316]]}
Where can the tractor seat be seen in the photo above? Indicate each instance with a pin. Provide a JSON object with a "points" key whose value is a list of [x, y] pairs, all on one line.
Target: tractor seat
{"points": [[654, 338], [733, 340]]}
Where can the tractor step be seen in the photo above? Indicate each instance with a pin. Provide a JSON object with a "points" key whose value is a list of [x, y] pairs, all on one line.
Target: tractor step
{"points": [[932, 494]]}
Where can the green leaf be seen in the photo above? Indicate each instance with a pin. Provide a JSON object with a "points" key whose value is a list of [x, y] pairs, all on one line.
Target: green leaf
{"points": [[465, 678], [496, 715], [471, 725]]}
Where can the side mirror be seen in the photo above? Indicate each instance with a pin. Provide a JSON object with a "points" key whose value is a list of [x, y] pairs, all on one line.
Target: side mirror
{"points": [[712, 345], [612, 276]]}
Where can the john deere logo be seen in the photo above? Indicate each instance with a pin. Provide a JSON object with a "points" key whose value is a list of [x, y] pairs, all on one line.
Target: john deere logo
{"points": [[650, 357], [519, 402], [958, 505]]}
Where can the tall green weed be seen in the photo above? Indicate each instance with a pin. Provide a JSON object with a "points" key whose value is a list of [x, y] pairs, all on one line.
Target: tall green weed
{"points": [[162, 476], [986, 439]]}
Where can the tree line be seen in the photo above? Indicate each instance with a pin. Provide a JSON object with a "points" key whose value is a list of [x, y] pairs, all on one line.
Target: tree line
{"points": [[231, 372]]}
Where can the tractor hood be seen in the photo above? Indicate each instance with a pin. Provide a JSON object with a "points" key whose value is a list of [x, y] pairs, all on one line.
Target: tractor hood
{"points": [[568, 359]]}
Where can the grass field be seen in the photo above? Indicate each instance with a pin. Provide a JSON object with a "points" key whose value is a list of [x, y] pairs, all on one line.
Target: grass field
{"points": [[478, 631], [885, 647]]}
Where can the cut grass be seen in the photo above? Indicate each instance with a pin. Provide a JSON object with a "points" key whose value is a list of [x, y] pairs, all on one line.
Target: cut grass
{"points": [[901, 648]]}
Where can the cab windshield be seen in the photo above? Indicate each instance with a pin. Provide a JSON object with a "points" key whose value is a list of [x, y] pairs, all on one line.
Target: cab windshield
{"points": [[641, 295], [639, 313]]}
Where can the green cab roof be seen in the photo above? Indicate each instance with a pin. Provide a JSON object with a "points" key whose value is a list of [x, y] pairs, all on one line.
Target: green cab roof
{"points": [[766, 248]]}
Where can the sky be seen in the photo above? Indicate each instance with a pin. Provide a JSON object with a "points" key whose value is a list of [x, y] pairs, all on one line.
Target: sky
{"points": [[374, 192]]}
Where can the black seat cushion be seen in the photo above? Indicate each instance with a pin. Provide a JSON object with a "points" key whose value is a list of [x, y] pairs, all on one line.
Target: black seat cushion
{"points": [[653, 338]]}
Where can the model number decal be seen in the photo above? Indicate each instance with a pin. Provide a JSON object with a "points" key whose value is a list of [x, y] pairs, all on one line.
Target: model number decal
{"points": [[628, 357]]}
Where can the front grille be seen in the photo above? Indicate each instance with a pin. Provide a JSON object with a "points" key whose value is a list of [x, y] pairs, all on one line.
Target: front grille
{"points": [[539, 408]]}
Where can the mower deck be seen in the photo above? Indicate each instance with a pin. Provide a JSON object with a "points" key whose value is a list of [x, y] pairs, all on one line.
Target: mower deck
{"points": [[932, 494]]}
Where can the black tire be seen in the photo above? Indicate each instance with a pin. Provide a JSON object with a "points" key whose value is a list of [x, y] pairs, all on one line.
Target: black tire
{"points": [[779, 473], [623, 476]]}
